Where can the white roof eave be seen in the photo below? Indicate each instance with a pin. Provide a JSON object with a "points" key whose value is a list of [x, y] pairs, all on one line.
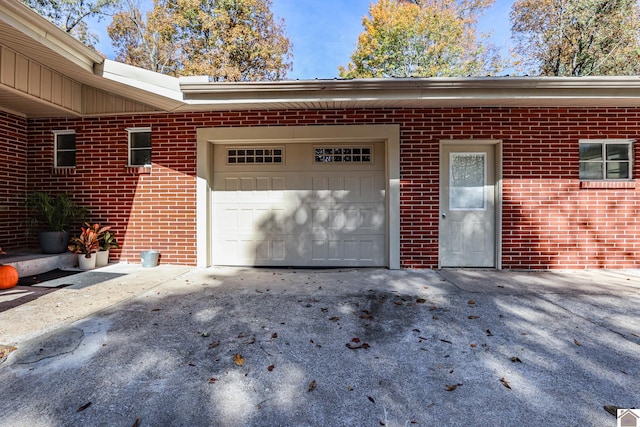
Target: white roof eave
{"points": [[22, 18], [155, 83]]}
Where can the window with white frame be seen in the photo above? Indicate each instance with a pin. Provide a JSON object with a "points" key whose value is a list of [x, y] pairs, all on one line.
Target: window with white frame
{"points": [[139, 146], [606, 159], [64, 148]]}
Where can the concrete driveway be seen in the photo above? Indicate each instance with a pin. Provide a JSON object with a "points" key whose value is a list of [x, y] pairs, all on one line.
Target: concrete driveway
{"points": [[353, 347]]}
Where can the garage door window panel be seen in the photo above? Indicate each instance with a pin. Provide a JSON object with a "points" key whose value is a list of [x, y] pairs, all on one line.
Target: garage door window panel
{"points": [[255, 155], [360, 154]]}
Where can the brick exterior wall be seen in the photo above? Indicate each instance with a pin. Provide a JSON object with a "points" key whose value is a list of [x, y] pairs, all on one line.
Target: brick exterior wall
{"points": [[13, 174], [549, 220]]}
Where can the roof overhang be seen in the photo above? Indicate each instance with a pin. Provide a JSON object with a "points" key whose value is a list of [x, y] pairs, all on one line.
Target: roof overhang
{"points": [[199, 93], [34, 54]]}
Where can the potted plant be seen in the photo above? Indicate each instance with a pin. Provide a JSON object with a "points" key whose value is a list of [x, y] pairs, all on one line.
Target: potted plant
{"points": [[53, 215], [86, 246], [107, 241]]}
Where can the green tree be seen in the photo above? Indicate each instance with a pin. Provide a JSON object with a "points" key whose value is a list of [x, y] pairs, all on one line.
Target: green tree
{"points": [[422, 38], [577, 37], [71, 15], [227, 40]]}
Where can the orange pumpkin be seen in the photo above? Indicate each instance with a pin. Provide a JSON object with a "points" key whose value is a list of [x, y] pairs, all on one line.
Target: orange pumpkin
{"points": [[8, 276]]}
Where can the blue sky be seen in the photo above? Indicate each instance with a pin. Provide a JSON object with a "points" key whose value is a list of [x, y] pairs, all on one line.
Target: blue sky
{"points": [[324, 32]]}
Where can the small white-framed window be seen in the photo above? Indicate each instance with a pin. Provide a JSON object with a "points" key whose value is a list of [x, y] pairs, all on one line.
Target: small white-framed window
{"points": [[606, 159], [64, 148], [139, 146]]}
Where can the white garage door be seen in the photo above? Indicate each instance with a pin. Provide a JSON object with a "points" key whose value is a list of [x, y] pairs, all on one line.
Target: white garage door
{"points": [[299, 205]]}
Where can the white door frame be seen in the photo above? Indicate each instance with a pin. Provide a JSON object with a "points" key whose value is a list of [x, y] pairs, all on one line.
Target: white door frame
{"points": [[207, 137], [498, 191]]}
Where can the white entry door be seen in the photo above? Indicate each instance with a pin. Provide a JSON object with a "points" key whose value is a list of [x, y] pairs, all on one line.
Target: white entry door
{"points": [[300, 204], [467, 236]]}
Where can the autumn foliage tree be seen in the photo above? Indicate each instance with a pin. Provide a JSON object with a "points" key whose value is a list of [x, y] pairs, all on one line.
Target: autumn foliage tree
{"points": [[577, 37], [227, 40], [422, 38], [138, 39]]}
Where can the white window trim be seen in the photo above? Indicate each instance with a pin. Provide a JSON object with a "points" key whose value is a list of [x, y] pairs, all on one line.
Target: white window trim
{"points": [[132, 131], [55, 148], [605, 142]]}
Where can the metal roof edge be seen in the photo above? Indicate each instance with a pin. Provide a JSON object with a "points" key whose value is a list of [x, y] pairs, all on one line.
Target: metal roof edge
{"points": [[202, 85], [160, 85]]}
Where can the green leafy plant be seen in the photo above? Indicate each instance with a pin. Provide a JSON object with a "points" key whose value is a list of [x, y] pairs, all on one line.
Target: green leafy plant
{"points": [[108, 240], [55, 213], [89, 240]]}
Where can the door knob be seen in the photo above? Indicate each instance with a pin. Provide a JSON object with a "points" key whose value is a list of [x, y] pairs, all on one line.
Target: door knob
{"points": [[444, 215]]}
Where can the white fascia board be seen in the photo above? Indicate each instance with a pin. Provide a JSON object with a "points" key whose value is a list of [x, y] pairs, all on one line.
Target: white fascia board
{"points": [[29, 23], [199, 91], [149, 81]]}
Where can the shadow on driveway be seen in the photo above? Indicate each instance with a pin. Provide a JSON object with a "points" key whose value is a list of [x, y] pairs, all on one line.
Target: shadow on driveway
{"points": [[262, 347]]}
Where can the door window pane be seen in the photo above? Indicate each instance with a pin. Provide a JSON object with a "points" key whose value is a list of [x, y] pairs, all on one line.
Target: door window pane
{"points": [[467, 177]]}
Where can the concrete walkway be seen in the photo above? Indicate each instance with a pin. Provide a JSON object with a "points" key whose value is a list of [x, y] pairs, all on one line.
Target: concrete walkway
{"points": [[353, 347]]}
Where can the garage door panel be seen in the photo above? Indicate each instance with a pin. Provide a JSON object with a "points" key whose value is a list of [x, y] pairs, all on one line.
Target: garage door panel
{"points": [[318, 251], [299, 213]]}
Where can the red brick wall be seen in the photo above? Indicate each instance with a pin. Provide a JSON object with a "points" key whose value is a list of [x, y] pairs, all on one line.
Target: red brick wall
{"points": [[13, 176], [548, 221]]}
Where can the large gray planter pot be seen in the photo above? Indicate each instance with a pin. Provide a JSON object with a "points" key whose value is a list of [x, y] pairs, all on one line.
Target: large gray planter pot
{"points": [[53, 242]]}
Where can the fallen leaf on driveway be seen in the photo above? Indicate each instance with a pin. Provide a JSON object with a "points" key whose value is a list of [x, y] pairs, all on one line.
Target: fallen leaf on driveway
{"points": [[312, 386], [6, 349], [505, 383], [421, 300], [577, 342], [214, 344], [354, 345], [212, 380], [334, 318], [371, 399], [83, 407], [274, 336], [473, 317], [136, 423], [471, 302], [452, 387], [516, 360], [238, 359], [489, 334], [270, 368]]}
